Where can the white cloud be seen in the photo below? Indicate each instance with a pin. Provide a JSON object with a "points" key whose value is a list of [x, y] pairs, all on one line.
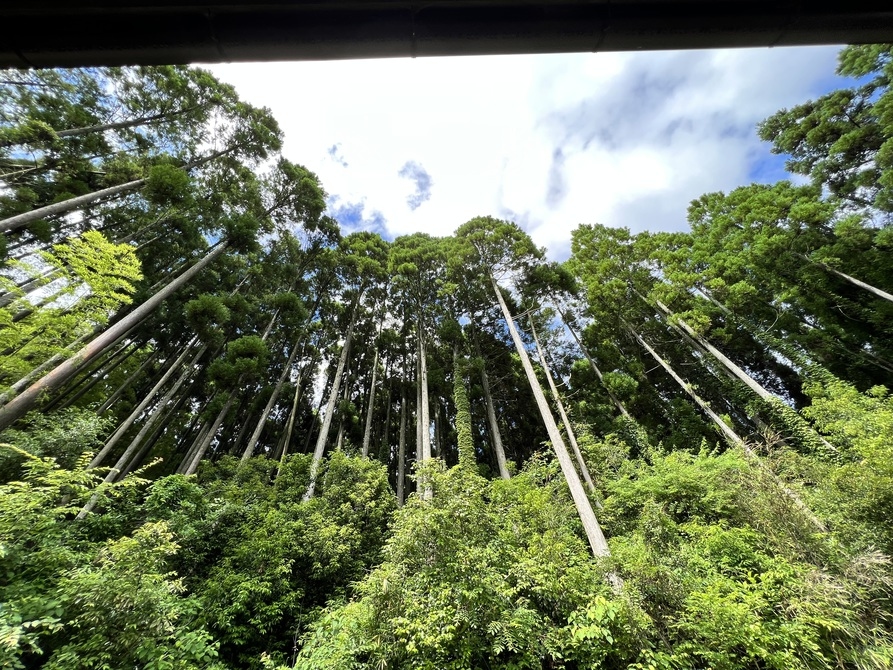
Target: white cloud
{"points": [[552, 141]]}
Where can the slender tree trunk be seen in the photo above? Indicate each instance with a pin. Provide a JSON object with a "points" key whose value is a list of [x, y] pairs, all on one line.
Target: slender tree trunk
{"points": [[437, 444], [70, 205], [418, 405], [385, 440], [568, 428], [598, 373], [425, 407], [194, 447], [291, 417], [73, 204], [29, 399], [367, 432], [149, 442], [593, 530], [750, 382], [464, 433], [132, 123], [401, 448], [209, 437], [234, 447], [131, 449], [498, 449], [330, 409], [255, 436], [112, 399], [731, 436], [852, 280], [339, 439], [101, 372], [139, 409], [43, 367]]}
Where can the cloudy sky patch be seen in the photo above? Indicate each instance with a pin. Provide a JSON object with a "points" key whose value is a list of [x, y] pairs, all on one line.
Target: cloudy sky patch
{"points": [[422, 181], [334, 152], [550, 141]]}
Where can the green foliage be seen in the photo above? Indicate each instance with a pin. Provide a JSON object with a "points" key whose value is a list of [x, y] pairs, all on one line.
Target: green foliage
{"points": [[485, 574], [770, 554], [64, 436], [858, 489], [166, 185], [246, 356]]}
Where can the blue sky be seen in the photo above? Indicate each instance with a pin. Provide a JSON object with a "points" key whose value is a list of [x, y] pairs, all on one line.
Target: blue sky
{"points": [[548, 141]]}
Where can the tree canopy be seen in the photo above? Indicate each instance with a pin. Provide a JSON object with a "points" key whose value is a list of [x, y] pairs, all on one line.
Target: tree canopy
{"points": [[232, 437]]}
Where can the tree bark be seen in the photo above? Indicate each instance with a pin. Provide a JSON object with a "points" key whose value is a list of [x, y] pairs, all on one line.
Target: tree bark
{"points": [[73, 204], [598, 373], [731, 367], [70, 205], [291, 417], [29, 399], [425, 410], [568, 429], [330, 409], [129, 452], [498, 449], [731, 436], [138, 410], [367, 432], [43, 367], [594, 534], [209, 437], [101, 372], [127, 382], [255, 436], [401, 449], [883, 295]]}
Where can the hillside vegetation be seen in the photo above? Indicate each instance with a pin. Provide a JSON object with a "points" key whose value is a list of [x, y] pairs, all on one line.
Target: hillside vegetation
{"points": [[234, 435]]}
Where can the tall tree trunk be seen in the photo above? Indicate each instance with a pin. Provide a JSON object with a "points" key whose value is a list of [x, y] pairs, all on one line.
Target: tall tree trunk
{"points": [[425, 410], [464, 433], [194, 447], [437, 443], [568, 428], [367, 432], [598, 373], [139, 409], [28, 399], [54, 360], [852, 280], [102, 127], [73, 204], [209, 437], [131, 449], [344, 394], [401, 447], [496, 435], [103, 371], [384, 450], [498, 449], [591, 526], [236, 443], [154, 436], [731, 367], [330, 408], [292, 415], [112, 399], [255, 436], [731, 436], [70, 205]]}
